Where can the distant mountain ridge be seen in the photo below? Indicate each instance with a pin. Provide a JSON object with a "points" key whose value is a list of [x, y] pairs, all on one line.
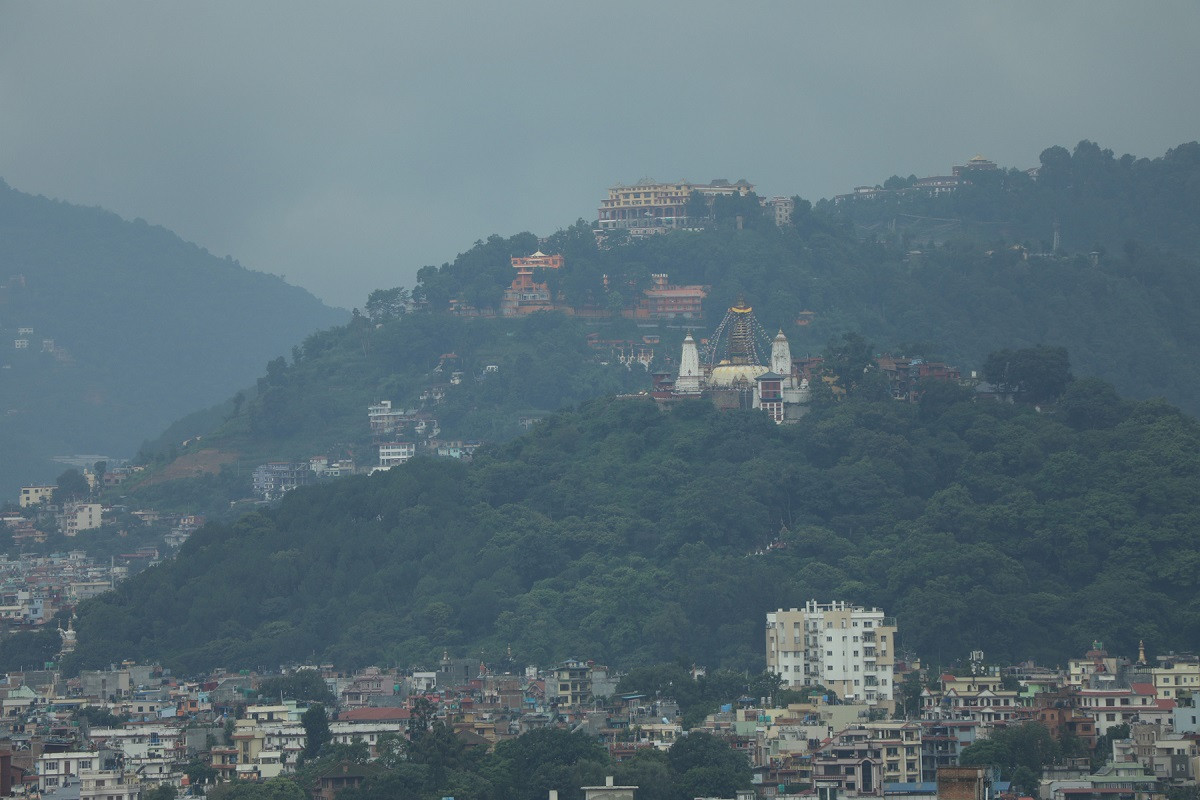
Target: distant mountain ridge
{"points": [[111, 329]]}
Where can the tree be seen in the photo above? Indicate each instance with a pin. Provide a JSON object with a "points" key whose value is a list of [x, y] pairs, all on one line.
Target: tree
{"points": [[316, 730], [706, 766], [1037, 374], [164, 791], [385, 304], [305, 686], [847, 358], [100, 468], [1021, 752], [72, 485], [1091, 403], [1043, 372]]}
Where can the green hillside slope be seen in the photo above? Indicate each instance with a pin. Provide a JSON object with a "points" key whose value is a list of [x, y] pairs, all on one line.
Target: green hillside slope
{"points": [[1098, 200], [1127, 318], [127, 327], [622, 533]]}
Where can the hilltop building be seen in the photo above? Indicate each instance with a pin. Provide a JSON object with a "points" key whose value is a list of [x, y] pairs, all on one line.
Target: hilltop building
{"points": [[648, 208], [526, 295], [735, 375], [848, 649], [932, 186]]}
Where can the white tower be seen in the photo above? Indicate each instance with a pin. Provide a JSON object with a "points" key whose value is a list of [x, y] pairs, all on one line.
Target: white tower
{"points": [[689, 368], [781, 357]]}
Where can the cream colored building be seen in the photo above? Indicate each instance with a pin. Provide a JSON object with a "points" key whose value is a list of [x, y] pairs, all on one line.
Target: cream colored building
{"points": [[34, 495], [648, 207], [1173, 676], [848, 649], [78, 517]]}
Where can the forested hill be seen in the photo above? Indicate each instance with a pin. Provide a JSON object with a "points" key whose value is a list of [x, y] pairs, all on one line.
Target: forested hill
{"points": [[619, 532], [126, 328], [1127, 318], [1100, 201]]}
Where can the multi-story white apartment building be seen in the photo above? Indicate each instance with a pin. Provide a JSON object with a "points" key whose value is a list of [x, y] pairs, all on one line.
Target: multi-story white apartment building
{"points": [[392, 454], [61, 769], [848, 649]]}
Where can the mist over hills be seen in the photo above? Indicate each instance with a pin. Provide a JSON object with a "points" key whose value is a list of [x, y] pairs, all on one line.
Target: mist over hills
{"points": [[110, 329]]}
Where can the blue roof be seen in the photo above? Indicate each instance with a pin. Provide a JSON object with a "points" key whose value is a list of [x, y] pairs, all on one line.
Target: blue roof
{"points": [[926, 787]]}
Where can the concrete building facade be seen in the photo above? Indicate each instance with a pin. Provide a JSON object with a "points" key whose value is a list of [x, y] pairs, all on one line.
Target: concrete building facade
{"points": [[848, 649]]}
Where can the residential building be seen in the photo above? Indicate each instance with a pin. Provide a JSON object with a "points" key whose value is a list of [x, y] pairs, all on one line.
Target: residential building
{"points": [[570, 685], [1115, 706], [979, 698], [392, 454], [34, 495], [781, 208], [275, 478], [1176, 674], [76, 517], [663, 300], [97, 784], [386, 420], [58, 769], [848, 649]]}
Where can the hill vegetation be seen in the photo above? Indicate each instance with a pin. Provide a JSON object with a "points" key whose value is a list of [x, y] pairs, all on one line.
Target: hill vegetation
{"points": [[610, 531], [127, 328], [1126, 318], [1099, 201]]}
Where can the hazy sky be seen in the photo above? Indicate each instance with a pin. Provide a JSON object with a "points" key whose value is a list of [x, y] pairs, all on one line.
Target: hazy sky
{"points": [[346, 144]]}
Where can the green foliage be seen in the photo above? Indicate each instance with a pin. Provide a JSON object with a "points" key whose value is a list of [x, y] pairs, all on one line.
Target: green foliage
{"points": [[271, 789], [200, 773], [1021, 752], [608, 530], [316, 730], [99, 717], [706, 766], [549, 758], [1037, 374], [305, 686], [71, 486], [28, 649], [1097, 199], [528, 767], [1103, 751], [164, 791], [385, 304]]}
